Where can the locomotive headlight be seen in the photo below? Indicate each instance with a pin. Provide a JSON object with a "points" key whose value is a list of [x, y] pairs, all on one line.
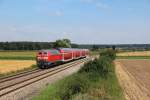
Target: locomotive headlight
{"points": [[45, 58], [38, 58]]}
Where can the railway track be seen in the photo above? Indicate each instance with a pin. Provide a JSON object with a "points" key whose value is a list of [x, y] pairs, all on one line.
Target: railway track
{"points": [[20, 74], [13, 83]]}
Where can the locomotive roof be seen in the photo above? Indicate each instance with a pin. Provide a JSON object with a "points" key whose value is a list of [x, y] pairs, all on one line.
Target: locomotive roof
{"points": [[69, 49], [47, 50]]}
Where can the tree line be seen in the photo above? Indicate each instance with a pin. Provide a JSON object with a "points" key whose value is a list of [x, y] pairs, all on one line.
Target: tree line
{"points": [[66, 43], [25, 45]]}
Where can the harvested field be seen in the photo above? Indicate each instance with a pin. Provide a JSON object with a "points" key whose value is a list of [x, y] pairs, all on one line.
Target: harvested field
{"points": [[134, 78], [138, 53], [7, 66]]}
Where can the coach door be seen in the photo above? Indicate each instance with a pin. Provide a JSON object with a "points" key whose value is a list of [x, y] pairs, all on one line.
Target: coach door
{"points": [[67, 55]]}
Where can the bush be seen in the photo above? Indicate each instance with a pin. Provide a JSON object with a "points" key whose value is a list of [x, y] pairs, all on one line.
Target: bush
{"points": [[91, 66], [102, 66], [109, 53], [77, 83], [105, 66]]}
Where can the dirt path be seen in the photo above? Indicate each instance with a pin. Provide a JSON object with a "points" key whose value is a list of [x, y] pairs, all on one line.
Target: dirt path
{"points": [[134, 78]]}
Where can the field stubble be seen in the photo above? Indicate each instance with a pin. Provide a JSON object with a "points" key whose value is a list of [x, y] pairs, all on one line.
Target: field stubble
{"points": [[7, 66], [134, 78], [137, 53]]}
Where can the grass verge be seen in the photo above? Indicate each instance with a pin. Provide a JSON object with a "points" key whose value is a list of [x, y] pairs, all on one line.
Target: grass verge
{"points": [[96, 80]]}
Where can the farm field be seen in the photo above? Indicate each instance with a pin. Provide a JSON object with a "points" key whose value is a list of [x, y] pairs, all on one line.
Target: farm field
{"points": [[17, 55], [7, 66], [136, 53], [134, 78]]}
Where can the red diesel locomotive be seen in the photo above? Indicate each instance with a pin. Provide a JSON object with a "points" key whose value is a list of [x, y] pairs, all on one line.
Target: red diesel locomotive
{"points": [[47, 58]]}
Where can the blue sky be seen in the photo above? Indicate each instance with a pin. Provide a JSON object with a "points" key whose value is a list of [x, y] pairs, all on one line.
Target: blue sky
{"points": [[82, 21]]}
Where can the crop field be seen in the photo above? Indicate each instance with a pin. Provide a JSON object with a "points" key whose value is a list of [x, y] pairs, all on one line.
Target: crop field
{"points": [[7, 66], [134, 55], [134, 78], [137, 53], [17, 55]]}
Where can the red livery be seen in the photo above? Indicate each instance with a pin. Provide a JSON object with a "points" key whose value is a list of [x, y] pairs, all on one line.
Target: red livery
{"points": [[46, 58]]}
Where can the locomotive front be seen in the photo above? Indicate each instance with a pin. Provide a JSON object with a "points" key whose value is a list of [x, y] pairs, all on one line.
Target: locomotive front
{"points": [[47, 58]]}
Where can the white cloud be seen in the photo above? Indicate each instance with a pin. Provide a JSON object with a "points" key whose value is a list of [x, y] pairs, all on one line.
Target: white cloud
{"points": [[44, 10], [102, 5], [44, 7], [56, 13], [96, 3], [24, 29], [130, 9], [87, 1]]}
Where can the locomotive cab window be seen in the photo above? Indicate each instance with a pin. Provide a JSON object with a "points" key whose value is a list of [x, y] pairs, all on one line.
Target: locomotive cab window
{"points": [[45, 53], [40, 53], [54, 52]]}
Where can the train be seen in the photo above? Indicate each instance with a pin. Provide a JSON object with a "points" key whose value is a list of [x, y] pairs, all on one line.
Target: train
{"points": [[51, 57]]}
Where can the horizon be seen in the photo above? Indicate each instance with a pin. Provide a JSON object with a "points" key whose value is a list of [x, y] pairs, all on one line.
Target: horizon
{"points": [[71, 43], [81, 21]]}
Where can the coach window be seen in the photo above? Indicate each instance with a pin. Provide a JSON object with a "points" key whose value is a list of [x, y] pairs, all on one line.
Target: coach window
{"points": [[54, 52]]}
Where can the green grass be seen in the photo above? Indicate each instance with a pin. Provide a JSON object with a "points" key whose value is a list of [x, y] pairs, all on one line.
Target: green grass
{"points": [[17, 55], [96, 80], [133, 57], [53, 92], [93, 53], [99, 90]]}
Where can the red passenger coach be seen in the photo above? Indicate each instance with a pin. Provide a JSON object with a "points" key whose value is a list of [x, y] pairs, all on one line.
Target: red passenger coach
{"points": [[46, 58], [67, 54], [78, 53]]}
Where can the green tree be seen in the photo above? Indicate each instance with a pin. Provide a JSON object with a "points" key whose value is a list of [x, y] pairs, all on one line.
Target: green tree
{"points": [[114, 47], [74, 45], [65, 43], [95, 47]]}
